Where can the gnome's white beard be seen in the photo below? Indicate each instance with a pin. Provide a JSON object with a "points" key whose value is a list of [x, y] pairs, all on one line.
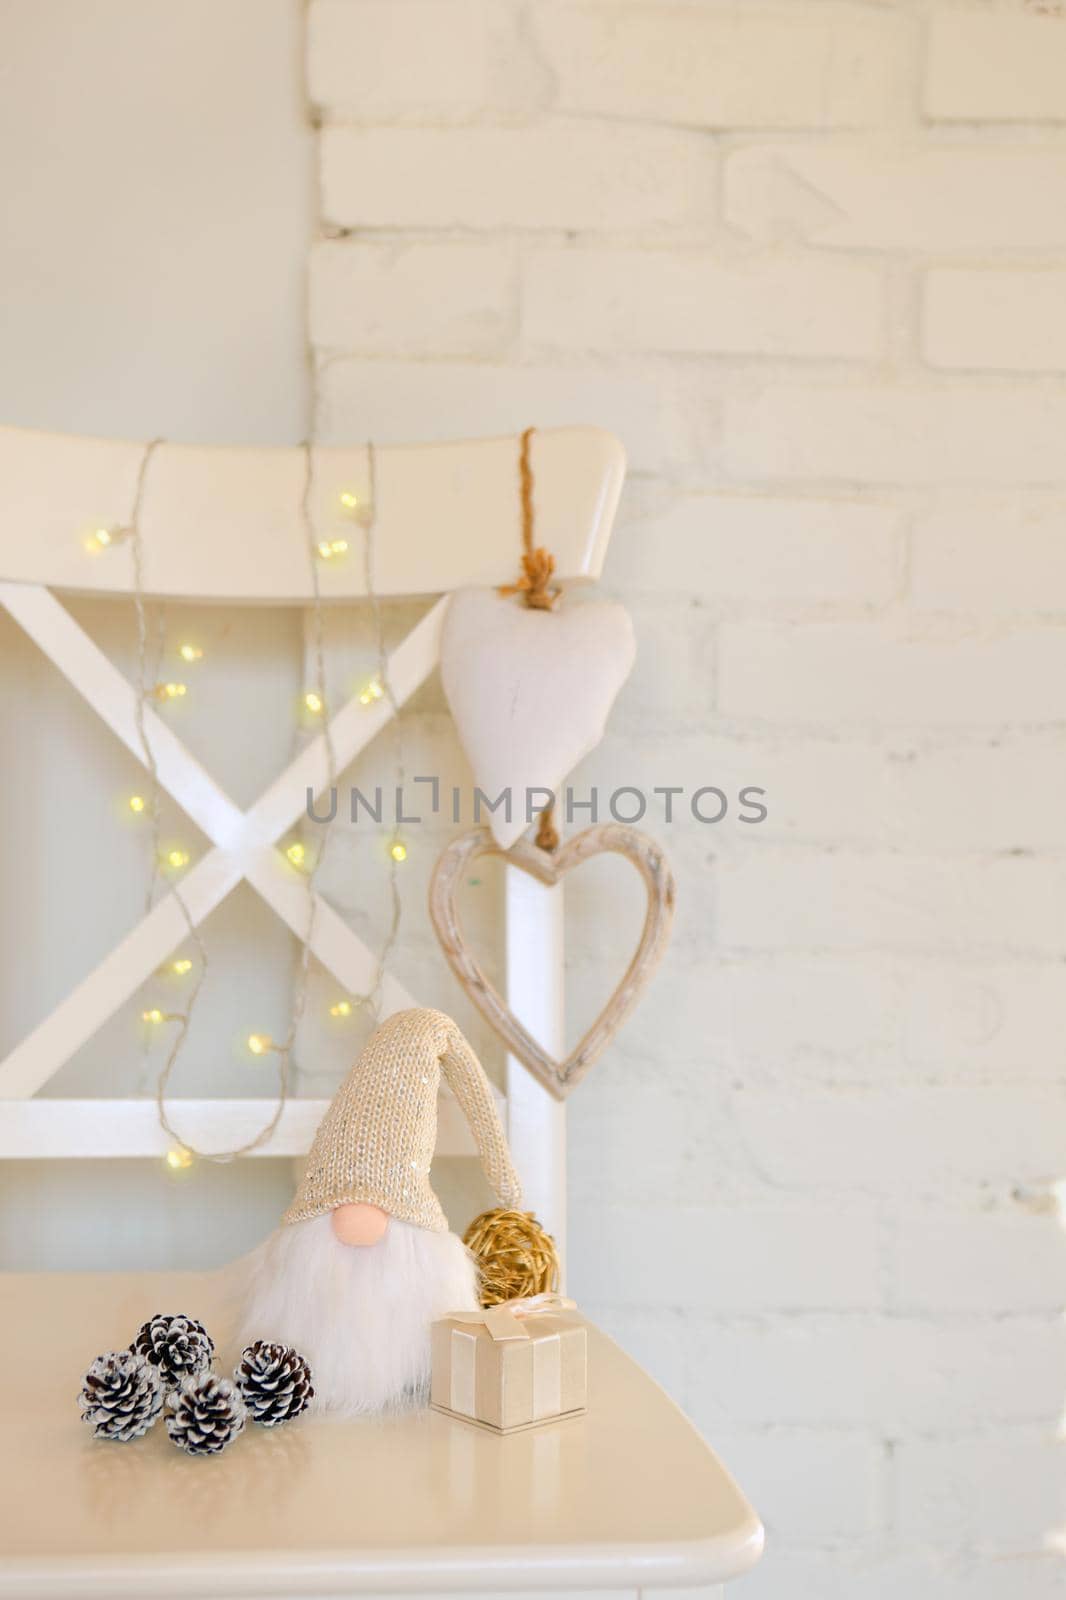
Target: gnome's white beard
{"points": [[359, 1313]]}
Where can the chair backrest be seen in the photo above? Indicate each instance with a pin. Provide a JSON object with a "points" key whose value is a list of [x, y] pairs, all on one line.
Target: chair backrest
{"points": [[227, 525]]}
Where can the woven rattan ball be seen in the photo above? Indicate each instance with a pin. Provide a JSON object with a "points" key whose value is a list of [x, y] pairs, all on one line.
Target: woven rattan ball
{"points": [[515, 1256]]}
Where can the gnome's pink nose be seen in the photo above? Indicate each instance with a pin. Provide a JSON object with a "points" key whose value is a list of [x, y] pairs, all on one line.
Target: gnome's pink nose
{"points": [[360, 1224]]}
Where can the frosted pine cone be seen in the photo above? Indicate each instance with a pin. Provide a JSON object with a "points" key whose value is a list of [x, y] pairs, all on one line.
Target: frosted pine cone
{"points": [[204, 1414], [179, 1346], [275, 1382], [121, 1396]]}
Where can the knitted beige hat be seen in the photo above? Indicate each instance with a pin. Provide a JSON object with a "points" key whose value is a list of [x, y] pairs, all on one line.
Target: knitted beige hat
{"points": [[375, 1143]]}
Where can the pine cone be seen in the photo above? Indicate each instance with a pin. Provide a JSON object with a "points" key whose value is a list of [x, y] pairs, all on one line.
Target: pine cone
{"points": [[204, 1414], [275, 1382], [121, 1396], [179, 1346]]}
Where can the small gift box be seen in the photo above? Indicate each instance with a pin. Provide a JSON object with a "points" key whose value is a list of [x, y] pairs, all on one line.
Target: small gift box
{"points": [[511, 1366]]}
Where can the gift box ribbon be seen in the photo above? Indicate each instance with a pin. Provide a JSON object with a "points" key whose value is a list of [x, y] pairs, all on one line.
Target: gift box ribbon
{"points": [[505, 1320]]}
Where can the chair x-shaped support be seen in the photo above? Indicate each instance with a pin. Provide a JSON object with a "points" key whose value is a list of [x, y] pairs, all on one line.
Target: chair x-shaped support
{"points": [[244, 843]]}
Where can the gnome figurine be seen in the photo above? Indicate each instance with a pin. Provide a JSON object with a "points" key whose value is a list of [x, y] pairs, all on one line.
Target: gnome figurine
{"points": [[363, 1261]]}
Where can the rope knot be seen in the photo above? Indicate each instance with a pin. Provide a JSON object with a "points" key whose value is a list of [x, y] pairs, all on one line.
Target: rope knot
{"points": [[535, 583], [547, 837]]}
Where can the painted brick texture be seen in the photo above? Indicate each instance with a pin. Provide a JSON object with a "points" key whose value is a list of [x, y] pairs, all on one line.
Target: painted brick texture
{"points": [[809, 262]]}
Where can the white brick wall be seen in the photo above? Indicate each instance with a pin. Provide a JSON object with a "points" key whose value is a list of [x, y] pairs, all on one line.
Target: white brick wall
{"points": [[902, 433], [729, 66], [989, 66], [913, 198], [1011, 320], [759, 553], [991, 556], [683, 303], [415, 61], [809, 261], [419, 299], [561, 174], [900, 671]]}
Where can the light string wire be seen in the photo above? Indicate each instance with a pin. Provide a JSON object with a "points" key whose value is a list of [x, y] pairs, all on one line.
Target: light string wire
{"points": [[182, 1019], [149, 672], [372, 997]]}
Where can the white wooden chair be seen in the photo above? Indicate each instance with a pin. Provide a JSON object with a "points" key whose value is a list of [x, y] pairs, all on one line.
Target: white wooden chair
{"points": [[447, 516]]}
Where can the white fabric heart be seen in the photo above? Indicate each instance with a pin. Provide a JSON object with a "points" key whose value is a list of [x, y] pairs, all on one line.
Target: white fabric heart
{"points": [[530, 691]]}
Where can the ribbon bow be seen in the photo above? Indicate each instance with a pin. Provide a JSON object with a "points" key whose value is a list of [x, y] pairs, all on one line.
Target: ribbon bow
{"points": [[505, 1320]]}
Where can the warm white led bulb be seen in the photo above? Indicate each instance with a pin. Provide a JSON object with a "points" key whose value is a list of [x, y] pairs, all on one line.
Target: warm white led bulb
{"points": [[329, 548], [103, 538]]}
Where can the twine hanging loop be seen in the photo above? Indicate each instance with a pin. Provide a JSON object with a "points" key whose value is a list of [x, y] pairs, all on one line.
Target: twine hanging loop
{"points": [[538, 565], [538, 592]]}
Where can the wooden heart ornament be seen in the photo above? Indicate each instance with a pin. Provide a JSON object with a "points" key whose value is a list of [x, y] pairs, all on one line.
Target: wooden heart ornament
{"points": [[549, 867]]}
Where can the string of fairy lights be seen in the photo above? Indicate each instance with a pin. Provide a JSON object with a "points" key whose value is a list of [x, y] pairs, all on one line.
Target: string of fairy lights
{"points": [[170, 860]]}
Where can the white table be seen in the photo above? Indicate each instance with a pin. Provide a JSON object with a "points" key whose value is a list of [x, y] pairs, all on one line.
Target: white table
{"points": [[625, 1501]]}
